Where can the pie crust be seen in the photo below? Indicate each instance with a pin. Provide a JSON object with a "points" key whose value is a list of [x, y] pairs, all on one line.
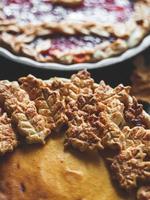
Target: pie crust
{"points": [[93, 118], [78, 35]]}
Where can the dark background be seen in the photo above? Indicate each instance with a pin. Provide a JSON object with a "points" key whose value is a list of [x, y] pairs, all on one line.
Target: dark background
{"points": [[113, 75]]}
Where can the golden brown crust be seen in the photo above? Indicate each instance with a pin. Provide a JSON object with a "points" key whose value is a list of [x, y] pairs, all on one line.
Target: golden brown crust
{"points": [[84, 126], [53, 99], [48, 102], [96, 117], [130, 166], [112, 119], [23, 112], [8, 139], [133, 162], [134, 114]]}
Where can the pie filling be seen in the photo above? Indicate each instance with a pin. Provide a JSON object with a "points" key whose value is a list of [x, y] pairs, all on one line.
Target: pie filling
{"points": [[65, 45], [89, 10], [50, 30]]}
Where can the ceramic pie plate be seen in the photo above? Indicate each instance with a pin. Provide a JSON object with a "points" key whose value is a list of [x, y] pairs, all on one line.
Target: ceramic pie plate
{"points": [[55, 66]]}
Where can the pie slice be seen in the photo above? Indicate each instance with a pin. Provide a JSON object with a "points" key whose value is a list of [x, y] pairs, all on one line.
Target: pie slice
{"points": [[66, 31]]}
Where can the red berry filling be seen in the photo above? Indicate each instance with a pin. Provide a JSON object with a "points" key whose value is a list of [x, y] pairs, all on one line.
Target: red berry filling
{"points": [[36, 11], [66, 45], [90, 10]]}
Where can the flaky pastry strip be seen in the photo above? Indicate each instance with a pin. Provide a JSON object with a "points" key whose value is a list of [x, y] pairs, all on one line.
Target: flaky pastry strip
{"points": [[8, 139], [23, 112]]}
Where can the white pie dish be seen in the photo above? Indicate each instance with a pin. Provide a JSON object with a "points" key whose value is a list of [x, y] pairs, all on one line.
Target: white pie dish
{"points": [[56, 66]]}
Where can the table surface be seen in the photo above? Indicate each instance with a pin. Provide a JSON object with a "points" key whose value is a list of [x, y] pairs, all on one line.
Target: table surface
{"points": [[113, 75]]}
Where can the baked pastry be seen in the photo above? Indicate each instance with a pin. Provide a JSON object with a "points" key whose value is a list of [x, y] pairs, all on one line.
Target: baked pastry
{"points": [[93, 118], [132, 163], [8, 139], [32, 173], [67, 31], [23, 112]]}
